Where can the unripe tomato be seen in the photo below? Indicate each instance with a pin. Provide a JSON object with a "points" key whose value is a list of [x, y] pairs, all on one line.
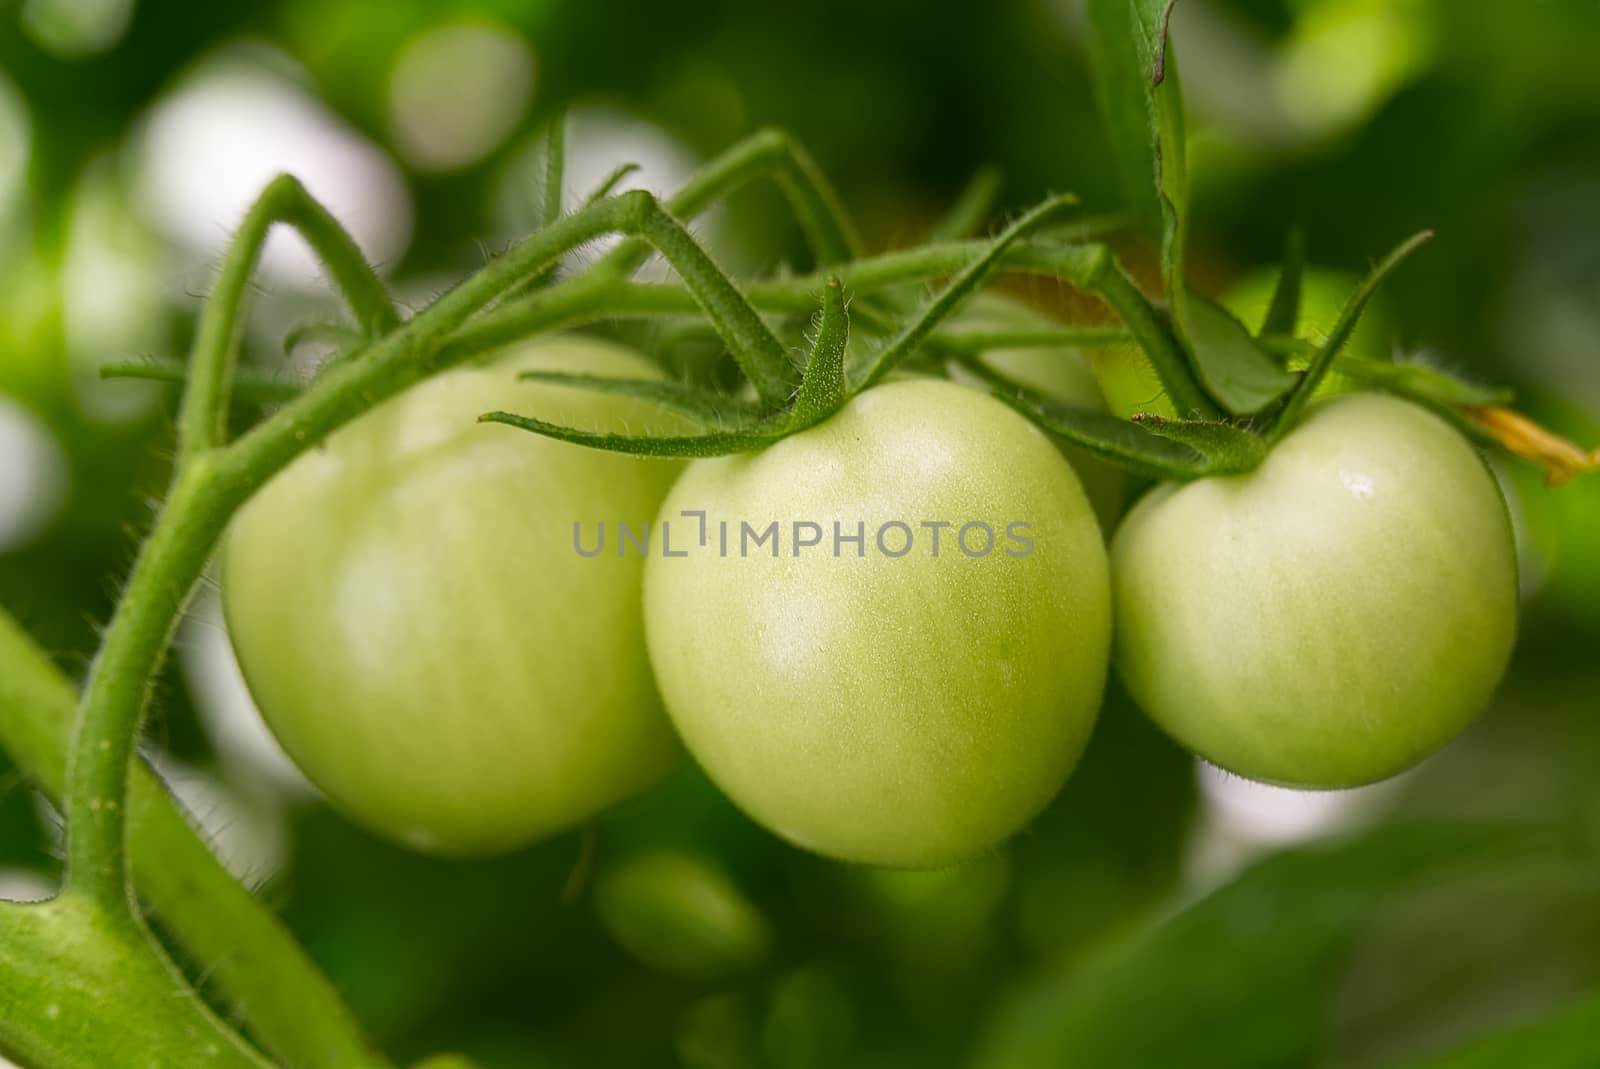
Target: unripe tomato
{"points": [[1062, 373], [1331, 617], [678, 912], [417, 628], [872, 701]]}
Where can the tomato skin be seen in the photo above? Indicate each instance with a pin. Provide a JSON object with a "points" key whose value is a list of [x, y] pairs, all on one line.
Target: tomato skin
{"points": [[1062, 374], [1330, 618], [417, 628], [907, 711]]}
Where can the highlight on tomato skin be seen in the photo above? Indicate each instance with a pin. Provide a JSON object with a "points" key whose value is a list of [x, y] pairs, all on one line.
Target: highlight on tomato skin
{"points": [[1331, 618], [873, 696]]}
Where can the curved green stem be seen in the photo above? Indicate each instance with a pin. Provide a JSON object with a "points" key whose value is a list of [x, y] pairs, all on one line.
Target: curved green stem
{"points": [[119, 682], [248, 385], [555, 166], [203, 420], [609, 184], [1090, 268], [759, 352], [827, 227]]}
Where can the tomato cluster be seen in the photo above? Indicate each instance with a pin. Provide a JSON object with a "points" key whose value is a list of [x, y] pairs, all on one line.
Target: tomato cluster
{"points": [[431, 628]]}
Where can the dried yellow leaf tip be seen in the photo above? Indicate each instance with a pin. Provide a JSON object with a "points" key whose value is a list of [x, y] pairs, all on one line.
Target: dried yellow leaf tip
{"points": [[1560, 457]]}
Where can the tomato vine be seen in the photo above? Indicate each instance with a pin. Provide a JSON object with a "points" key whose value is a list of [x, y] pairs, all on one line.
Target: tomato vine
{"points": [[1236, 395]]}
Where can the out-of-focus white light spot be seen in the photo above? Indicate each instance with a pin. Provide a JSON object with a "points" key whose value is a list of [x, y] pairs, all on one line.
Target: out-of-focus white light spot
{"points": [[1275, 815], [16, 142], [224, 704], [33, 475], [24, 885], [76, 29], [247, 834], [215, 140], [457, 91], [598, 141], [1241, 819], [113, 292], [1345, 58]]}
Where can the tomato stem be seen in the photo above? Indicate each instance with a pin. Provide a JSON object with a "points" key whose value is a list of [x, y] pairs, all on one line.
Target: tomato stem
{"points": [[202, 422], [1312, 377], [958, 289], [828, 229]]}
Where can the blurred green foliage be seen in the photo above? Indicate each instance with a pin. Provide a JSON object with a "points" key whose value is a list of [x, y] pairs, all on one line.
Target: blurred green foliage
{"points": [[1458, 903]]}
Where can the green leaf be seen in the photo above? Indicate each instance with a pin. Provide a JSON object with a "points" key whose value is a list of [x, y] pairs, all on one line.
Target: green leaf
{"points": [[713, 444], [1420, 382], [1124, 444], [739, 428], [1235, 369], [1140, 104], [1227, 449], [1237, 980], [708, 407], [1137, 85], [822, 389], [555, 163], [1283, 314]]}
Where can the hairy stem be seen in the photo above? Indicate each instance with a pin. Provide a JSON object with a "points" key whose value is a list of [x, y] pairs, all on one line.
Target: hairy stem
{"points": [[118, 687], [958, 289], [1090, 268], [828, 230], [203, 419], [1343, 328], [555, 166], [248, 954]]}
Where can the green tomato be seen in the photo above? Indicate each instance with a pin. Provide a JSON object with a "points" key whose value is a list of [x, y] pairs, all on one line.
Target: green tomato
{"points": [[417, 628], [886, 705], [677, 912], [1062, 374], [1330, 618]]}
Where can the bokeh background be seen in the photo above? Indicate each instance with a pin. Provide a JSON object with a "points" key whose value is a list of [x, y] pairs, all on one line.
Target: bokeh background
{"points": [[1159, 914]]}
